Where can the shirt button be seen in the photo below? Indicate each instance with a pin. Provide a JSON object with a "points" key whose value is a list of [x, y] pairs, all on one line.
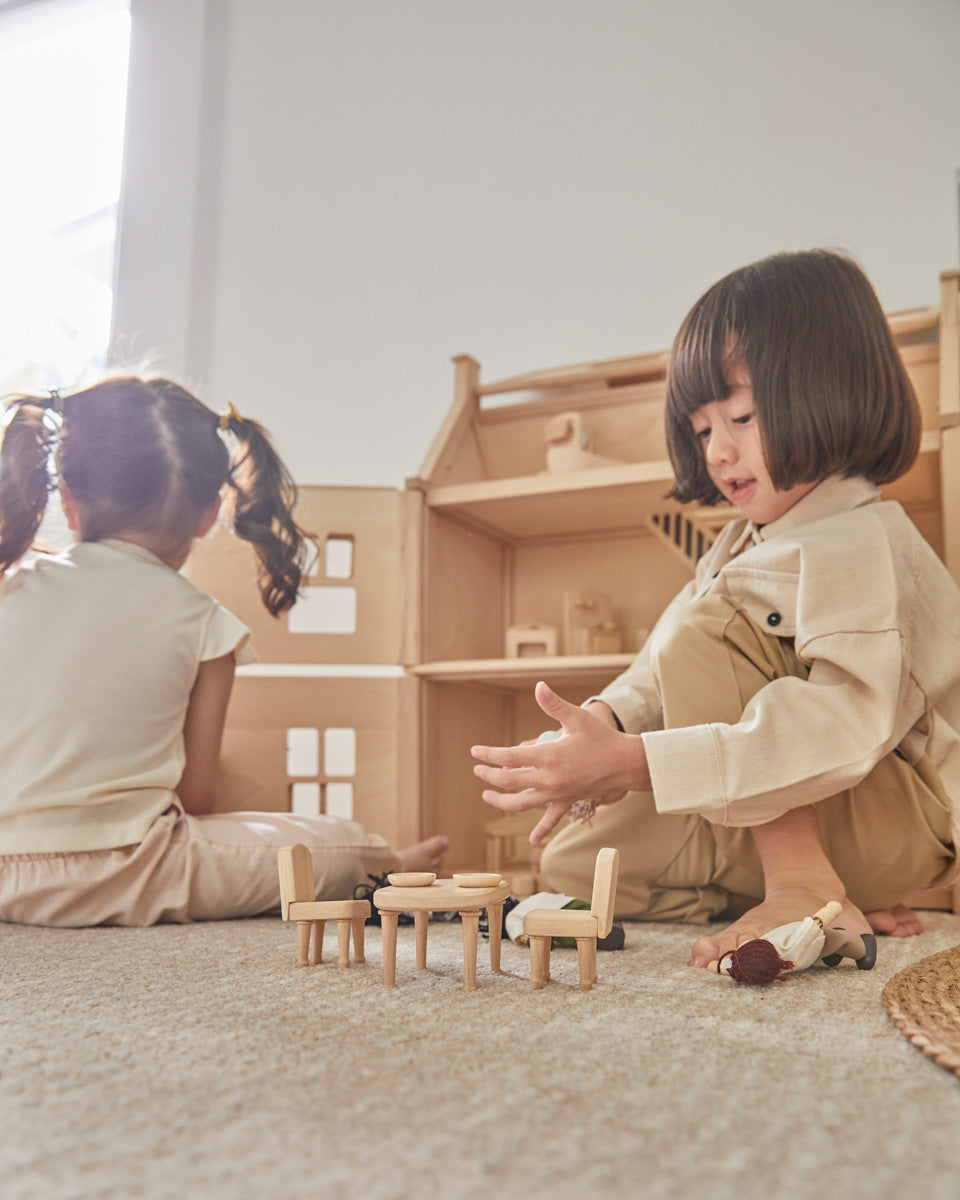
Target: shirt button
{"points": [[774, 619]]}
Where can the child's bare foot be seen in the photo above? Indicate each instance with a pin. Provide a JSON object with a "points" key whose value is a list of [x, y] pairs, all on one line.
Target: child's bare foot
{"points": [[781, 906], [898, 921], [425, 856]]}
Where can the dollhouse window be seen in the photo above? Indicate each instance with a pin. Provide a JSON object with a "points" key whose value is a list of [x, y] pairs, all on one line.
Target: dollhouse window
{"points": [[338, 800], [338, 556], [324, 610], [303, 752], [339, 751], [309, 795], [305, 799]]}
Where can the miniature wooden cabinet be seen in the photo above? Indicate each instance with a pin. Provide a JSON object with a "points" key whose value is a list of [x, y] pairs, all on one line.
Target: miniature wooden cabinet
{"points": [[485, 539]]}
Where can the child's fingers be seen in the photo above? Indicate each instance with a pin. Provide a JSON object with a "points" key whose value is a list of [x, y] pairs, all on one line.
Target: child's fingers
{"points": [[513, 801], [506, 778], [509, 757], [556, 810]]}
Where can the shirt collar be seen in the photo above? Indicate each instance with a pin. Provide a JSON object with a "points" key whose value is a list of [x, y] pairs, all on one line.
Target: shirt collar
{"points": [[831, 496], [132, 549]]}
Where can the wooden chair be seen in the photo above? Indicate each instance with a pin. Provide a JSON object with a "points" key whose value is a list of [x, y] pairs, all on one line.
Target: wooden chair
{"points": [[585, 925], [297, 903], [508, 851]]}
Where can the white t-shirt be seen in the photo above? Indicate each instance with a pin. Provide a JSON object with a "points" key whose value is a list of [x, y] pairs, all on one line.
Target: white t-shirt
{"points": [[99, 651]]}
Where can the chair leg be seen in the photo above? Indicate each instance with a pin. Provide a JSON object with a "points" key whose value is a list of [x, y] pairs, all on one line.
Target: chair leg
{"points": [[587, 959], [318, 941], [343, 943], [303, 942], [539, 960], [358, 924]]}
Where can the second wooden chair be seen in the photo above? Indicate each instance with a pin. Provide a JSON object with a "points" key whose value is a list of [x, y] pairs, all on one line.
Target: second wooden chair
{"points": [[543, 924], [297, 903]]}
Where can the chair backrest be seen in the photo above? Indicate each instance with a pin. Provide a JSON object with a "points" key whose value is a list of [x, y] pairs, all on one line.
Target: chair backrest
{"points": [[605, 889], [295, 864]]}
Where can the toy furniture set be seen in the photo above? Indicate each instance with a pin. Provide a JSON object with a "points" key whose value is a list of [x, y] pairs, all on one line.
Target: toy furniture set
{"points": [[466, 893], [535, 539]]}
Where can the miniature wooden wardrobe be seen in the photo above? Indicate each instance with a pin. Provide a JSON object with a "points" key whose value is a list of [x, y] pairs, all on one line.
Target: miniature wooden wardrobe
{"points": [[371, 691]]}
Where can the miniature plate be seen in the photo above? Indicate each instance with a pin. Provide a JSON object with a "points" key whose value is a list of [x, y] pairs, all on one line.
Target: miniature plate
{"points": [[411, 878], [477, 879]]}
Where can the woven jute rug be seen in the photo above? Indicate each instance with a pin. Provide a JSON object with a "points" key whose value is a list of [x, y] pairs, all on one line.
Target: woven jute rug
{"points": [[923, 1000]]}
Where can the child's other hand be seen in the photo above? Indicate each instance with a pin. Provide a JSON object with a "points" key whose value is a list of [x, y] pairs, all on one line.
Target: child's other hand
{"points": [[590, 759]]}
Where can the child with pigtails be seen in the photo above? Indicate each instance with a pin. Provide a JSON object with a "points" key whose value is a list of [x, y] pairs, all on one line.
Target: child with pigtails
{"points": [[115, 672]]}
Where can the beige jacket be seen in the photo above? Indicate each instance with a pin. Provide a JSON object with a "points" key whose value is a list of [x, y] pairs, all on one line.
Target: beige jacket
{"points": [[876, 617]]}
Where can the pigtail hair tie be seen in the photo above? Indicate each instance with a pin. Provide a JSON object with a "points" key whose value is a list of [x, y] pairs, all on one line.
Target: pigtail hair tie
{"points": [[230, 414]]}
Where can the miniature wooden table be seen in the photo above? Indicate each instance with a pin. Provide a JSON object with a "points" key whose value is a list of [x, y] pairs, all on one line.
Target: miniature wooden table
{"points": [[442, 896]]}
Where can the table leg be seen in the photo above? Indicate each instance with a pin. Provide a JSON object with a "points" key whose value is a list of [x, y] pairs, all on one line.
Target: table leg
{"points": [[470, 919], [421, 918], [388, 921], [358, 923], [495, 924]]}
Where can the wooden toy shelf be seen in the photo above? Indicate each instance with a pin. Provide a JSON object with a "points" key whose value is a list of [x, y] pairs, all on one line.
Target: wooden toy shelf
{"points": [[563, 503], [522, 673]]}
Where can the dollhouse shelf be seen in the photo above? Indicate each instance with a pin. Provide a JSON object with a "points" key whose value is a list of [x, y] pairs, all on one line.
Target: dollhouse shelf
{"points": [[519, 674], [559, 503]]}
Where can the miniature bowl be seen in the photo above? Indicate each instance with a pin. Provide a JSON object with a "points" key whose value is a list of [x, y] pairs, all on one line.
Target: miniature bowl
{"points": [[411, 878], [477, 879]]}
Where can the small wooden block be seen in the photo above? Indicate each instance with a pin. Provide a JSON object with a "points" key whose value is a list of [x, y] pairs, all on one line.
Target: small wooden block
{"points": [[531, 641]]}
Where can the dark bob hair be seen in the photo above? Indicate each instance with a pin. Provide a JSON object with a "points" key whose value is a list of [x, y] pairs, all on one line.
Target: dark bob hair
{"points": [[831, 393]]}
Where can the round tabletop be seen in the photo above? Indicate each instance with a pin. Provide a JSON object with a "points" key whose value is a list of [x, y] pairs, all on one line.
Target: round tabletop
{"points": [[442, 895]]}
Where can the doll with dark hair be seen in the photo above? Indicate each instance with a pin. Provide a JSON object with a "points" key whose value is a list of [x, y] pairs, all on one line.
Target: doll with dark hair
{"points": [[115, 672]]}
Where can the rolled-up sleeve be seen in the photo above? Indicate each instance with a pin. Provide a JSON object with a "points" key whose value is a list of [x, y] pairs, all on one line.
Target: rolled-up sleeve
{"points": [[802, 740]]}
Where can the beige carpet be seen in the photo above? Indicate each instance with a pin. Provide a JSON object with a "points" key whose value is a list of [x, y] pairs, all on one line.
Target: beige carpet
{"points": [[197, 1061]]}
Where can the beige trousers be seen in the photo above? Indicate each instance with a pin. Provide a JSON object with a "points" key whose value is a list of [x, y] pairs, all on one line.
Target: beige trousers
{"points": [[886, 837], [188, 869]]}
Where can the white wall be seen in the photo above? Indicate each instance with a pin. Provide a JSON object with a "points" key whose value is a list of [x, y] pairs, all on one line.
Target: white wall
{"points": [[327, 199]]}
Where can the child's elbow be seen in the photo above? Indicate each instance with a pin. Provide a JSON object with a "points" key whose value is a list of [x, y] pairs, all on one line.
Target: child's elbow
{"points": [[195, 800]]}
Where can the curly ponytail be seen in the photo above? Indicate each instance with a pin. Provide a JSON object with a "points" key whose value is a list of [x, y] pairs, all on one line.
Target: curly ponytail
{"points": [[25, 477], [265, 495], [146, 456]]}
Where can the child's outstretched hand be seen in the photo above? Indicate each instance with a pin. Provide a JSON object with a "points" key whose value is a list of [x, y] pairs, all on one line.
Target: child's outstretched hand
{"points": [[590, 759]]}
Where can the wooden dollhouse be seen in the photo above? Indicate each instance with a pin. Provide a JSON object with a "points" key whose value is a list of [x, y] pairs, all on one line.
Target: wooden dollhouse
{"points": [[536, 488]]}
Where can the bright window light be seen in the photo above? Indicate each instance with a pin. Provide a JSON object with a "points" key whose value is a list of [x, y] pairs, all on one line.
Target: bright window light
{"points": [[63, 82]]}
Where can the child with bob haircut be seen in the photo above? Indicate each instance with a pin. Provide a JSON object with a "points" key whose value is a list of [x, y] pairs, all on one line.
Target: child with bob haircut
{"points": [[790, 732], [115, 672]]}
